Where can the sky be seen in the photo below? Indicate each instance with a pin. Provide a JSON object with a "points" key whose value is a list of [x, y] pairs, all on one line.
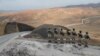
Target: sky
{"points": [[40, 4]]}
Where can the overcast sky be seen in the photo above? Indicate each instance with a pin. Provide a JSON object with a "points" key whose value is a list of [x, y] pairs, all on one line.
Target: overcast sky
{"points": [[39, 4]]}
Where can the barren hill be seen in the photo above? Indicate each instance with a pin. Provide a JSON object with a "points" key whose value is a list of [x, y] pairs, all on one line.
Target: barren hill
{"points": [[56, 16], [60, 16]]}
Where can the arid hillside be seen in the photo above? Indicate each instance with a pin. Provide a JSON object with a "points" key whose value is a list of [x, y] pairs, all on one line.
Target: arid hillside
{"points": [[60, 16], [56, 16]]}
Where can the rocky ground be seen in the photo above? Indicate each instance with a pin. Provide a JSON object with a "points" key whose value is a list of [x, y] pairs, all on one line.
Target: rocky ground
{"points": [[27, 47]]}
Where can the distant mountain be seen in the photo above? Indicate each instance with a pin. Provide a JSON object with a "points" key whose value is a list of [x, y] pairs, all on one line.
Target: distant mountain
{"points": [[93, 5]]}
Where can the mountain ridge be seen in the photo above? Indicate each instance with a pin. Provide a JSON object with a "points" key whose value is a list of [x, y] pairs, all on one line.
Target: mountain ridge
{"points": [[92, 5]]}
